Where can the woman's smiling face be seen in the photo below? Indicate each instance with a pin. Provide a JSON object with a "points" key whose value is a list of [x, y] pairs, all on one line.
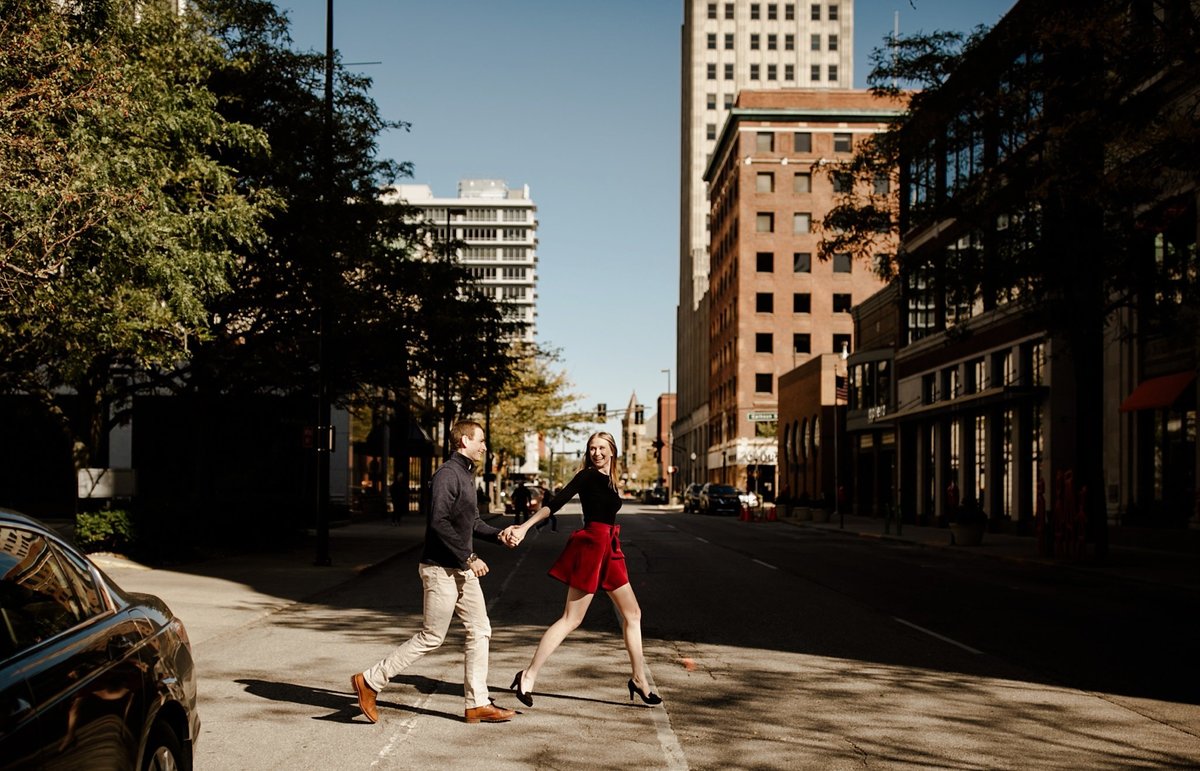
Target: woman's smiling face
{"points": [[600, 454]]}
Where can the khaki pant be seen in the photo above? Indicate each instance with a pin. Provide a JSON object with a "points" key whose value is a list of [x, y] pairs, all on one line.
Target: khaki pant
{"points": [[448, 592]]}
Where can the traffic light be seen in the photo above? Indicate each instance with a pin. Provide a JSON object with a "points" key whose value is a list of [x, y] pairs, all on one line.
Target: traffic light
{"points": [[601, 412]]}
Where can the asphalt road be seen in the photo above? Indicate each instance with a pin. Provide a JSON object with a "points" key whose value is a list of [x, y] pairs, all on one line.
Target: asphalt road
{"points": [[773, 646]]}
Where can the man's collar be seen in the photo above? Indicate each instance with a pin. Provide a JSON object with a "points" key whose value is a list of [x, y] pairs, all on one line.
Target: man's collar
{"points": [[470, 464]]}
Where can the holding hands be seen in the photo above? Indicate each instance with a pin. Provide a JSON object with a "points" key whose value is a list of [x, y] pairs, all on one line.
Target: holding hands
{"points": [[512, 536]]}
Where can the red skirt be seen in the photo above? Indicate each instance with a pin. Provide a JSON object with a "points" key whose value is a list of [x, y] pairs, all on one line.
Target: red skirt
{"points": [[592, 559]]}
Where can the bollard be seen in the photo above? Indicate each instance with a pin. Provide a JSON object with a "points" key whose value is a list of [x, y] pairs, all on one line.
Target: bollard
{"points": [[771, 516]]}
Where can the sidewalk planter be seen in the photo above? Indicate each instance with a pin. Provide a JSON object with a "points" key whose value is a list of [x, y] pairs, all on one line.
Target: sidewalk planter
{"points": [[968, 534], [820, 515], [802, 513]]}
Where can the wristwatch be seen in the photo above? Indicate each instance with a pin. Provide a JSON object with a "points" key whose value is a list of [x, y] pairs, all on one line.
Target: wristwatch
{"points": [[471, 559]]}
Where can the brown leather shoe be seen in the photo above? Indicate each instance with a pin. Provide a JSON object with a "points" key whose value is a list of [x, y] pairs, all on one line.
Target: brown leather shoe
{"points": [[489, 713], [366, 697]]}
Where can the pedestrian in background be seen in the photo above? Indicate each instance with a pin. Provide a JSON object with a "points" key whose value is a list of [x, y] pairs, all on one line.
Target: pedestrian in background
{"points": [[592, 560], [450, 572], [520, 503]]}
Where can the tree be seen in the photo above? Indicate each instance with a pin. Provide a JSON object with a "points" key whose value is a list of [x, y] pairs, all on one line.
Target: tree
{"points": [[1065, 124], [536, 400], [119, 220]]}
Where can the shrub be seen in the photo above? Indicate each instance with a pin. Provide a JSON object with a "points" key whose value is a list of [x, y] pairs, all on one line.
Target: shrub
{"points": [[110, 530]]}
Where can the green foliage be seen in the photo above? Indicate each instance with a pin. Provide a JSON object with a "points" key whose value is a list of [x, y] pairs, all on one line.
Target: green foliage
{"points": [[110, 530]]}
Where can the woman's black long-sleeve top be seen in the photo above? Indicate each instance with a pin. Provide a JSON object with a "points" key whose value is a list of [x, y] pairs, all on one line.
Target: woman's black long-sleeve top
{"points": [[600, 501]]}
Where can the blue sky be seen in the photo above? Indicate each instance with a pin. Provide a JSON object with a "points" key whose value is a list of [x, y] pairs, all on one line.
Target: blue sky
{"points": [[579, 99]]}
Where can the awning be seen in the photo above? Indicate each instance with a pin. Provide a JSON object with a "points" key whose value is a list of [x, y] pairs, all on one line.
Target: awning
{"points": [[1158, 392]]}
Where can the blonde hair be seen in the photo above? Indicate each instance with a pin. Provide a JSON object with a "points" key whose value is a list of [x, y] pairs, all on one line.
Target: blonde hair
{"points": [[587, 457]]}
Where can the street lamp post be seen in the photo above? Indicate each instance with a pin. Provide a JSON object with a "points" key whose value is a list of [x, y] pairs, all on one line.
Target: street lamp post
{"points": [[323, 440]]}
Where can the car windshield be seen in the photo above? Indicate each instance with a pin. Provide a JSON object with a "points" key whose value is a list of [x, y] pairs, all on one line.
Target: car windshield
{"points": [[722, 490]]}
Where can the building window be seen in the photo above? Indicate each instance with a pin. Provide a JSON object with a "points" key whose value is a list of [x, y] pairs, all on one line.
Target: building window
{"points": [[712, 71], [928, 389], [764, 302], [765, 182], [802, 262], [833, 72], [789, 12], [764, 222], [764, 342], [841, 142], [710, 101], [802, 142], [754, 72], [833, 43], [754, 12], [882, 185], [814, 42], [728, 41], [728, 101], [754, 42], [789, 42], [772, 42], [814, 73], [712, 41], [842, 182], [801, 302], [764, 142], [728, 10], [712, 10], [710, 131], [841, 262], [833, 13], [841, 343], [772, 72], [815, 12], [764, 262], [801, 342], [789, 72], [729, 72], [772, 12], [801, 222], [841, 304], [764, 382]]}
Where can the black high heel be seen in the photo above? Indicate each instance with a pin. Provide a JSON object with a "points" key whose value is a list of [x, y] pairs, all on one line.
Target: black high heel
{"points": [[526, 697], [651, 698]]}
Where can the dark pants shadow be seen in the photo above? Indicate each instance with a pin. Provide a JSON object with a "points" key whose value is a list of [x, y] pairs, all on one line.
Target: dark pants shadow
{"points": [[342, 706]]}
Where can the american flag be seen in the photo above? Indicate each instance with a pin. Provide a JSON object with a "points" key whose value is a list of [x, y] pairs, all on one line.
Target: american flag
{"points": [[841, 392]]}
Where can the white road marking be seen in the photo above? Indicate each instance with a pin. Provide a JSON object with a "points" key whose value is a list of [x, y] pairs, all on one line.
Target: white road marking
{"points": [[701, 540], [943, 638], [764, 564]]}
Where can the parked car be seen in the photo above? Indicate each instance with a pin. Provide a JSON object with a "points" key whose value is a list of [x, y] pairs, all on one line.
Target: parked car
{"points": [[691, 498], [536, 494], [719, 499], [657, 495], [90, 676]]}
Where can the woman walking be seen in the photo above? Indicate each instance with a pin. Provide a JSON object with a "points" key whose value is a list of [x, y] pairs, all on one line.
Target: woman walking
{"points": [[591, 561]]}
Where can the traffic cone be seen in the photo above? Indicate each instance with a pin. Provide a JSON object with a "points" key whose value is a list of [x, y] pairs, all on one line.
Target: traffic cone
{"points": [[771, 516], [745, 515]]}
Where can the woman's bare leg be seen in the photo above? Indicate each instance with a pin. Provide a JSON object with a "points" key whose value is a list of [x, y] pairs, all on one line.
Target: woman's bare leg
{"points": [[631, 623], [573, 613]]}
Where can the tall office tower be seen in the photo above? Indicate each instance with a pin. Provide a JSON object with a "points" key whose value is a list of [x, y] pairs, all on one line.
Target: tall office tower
{"points": [[498, 224], [728, 46]]}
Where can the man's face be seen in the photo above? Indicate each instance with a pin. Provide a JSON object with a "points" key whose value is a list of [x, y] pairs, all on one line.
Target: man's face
{"points": [[474, 446]]}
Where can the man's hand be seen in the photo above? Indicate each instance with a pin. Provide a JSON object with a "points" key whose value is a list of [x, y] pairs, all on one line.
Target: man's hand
{"points": [[478, 567]]}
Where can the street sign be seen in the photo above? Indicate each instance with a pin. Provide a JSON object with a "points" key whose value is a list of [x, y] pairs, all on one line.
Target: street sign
{"points": [[763, 417]]}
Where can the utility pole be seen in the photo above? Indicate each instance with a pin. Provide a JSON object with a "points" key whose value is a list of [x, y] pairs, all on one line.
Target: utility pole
{"points": [[324, 435]]}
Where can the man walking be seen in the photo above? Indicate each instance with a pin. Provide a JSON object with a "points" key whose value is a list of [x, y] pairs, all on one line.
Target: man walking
{"points": [[450, 572]]}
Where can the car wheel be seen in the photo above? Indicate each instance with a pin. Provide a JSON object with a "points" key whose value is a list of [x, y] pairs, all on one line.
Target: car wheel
{"points": [[164, 752]]}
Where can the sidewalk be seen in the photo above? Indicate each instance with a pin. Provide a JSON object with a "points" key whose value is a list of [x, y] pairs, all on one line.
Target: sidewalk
{"points": [[1177, 569]]}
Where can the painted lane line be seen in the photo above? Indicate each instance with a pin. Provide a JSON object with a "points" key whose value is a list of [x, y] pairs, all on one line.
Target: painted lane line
{"points": [[943, 638], [764, 564], [701, 540]]}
